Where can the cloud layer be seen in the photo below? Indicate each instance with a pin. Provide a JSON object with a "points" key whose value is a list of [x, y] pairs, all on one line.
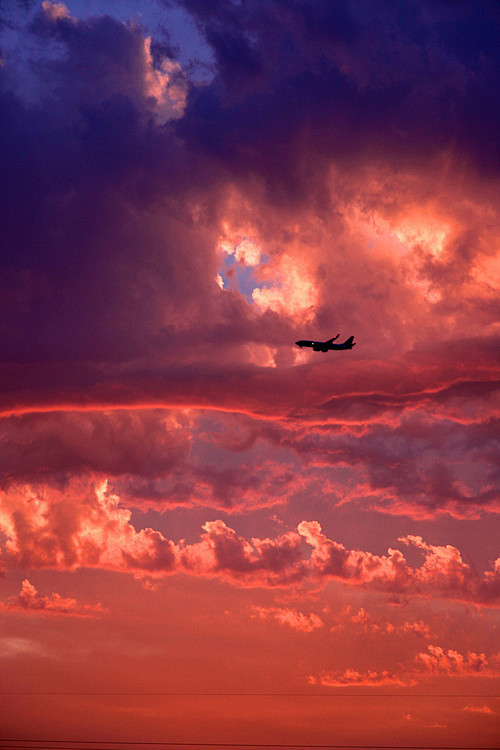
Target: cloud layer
{"points": [[84, 525]]}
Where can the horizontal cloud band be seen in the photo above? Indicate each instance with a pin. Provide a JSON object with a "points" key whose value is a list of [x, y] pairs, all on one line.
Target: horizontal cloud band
{"points": [[84, 526]]}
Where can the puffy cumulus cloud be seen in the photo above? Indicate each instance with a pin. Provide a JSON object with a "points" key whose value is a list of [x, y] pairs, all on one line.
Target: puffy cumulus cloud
{"points": [[85, 525], [442, 574], [82, 526], [437, 660], [292, 290], [272, 562], [292, 618], [55, 11], [442, 565], [419, 628], [31, 602], [331, 559]]}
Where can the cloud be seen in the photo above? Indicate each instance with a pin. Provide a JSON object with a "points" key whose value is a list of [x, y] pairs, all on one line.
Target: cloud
{"points": [[437, 660], [272, 562], [30, 601], [117, 59], [11, 646], [442, 574], [348, 40], [405, 464], [376, 625], [55, 11], [370, 678], [85, 525], [315, 175], [479, 709], [292, 618], [344, 185], [54, 447], [81, 526], [148, 456], [139, 172]]}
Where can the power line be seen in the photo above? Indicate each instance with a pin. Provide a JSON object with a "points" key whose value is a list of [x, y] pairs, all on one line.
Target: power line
{"points": [[240, 745], [267, 695]]}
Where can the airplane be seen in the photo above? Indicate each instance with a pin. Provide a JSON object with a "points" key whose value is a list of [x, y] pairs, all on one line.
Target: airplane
{"points": [[325, 346]]}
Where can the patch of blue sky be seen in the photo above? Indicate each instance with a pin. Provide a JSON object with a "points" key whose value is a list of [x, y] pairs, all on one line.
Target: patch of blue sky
{"points": [[168, 24], [163, 23], [243, 276]]}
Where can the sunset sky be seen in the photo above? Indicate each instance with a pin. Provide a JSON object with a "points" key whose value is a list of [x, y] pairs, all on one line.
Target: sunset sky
{"points": [[207, 534]]}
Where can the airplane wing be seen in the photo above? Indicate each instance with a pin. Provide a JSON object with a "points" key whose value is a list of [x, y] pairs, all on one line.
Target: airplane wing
{"points": [[306, 343]]}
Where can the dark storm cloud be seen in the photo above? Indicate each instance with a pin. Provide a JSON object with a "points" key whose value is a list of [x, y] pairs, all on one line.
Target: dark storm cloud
{"points": [[105, 253], [399, 80], [54, 447], [91, 263]]}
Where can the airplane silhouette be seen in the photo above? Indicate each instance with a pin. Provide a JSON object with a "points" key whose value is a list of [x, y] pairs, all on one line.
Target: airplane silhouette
{"points": [[325, 346]]}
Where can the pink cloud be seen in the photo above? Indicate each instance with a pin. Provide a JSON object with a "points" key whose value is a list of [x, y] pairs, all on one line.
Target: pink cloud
{"points": [[405, 464], [450, 662], [418, 628], [435, 661], [146, 454], [31, 602], [256, 562], [80, 526], [442, 574], [55, 11], [85, 525], [377, 625], [290, 617]]}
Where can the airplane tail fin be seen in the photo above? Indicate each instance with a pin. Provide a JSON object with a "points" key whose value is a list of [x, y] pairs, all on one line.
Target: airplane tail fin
{"points": [[349, 342]]}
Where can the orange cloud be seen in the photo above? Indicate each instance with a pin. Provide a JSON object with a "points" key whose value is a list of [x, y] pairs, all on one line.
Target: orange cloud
{"points": [[436, 661], [370, 678], [479, 710], [31, 602]]}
